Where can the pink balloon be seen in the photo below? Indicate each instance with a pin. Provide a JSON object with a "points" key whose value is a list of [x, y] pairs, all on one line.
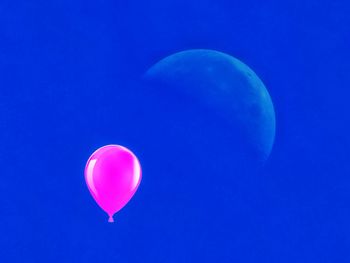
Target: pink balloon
{"points": [[112, 174]]}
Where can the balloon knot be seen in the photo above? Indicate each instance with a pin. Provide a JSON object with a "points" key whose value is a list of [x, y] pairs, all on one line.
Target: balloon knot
{"points": [[110, 219]]}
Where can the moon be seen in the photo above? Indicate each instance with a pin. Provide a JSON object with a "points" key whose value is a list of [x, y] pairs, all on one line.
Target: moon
{"points": [[227, 88]]}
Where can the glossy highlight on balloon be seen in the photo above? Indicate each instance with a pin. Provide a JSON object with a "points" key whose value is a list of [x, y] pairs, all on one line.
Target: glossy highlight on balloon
{"points": [[112, 174]]}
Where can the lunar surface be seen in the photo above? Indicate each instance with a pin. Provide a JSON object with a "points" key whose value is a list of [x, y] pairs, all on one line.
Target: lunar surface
{"points": [[226, 87]]}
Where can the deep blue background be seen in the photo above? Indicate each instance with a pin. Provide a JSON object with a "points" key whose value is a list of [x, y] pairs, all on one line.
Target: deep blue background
{"points": [[70, 83]]}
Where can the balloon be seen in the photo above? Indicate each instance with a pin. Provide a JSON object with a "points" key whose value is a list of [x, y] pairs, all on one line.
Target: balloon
{"points": [[112, 174]]}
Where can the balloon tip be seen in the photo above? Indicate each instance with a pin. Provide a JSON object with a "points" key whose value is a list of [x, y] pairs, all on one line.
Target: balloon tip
{"points": [[110, 219]]}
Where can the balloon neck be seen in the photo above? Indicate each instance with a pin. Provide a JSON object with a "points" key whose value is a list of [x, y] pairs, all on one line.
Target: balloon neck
{"points": [[110, 219]]}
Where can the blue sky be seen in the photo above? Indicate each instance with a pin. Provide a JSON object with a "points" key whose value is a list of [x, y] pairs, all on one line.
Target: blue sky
{"points": [[70, 76]]}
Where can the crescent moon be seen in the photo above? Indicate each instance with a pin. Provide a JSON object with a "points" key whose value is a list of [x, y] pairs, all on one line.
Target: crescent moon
{"points": [[225, 86]]}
